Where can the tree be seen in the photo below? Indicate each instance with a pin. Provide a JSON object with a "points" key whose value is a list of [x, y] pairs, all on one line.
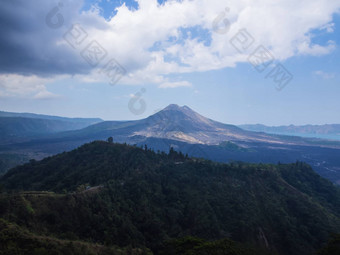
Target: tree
{"points": [[333, 246], [110, 139]]}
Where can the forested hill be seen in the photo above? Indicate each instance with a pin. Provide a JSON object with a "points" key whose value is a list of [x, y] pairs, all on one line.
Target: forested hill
{"points": [[115, 194]]}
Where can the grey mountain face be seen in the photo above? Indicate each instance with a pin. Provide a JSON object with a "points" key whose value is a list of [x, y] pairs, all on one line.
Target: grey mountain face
{"points": [[184, 125]]}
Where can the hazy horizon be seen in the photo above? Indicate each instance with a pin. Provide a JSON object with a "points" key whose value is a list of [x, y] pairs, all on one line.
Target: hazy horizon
{"points": [[180, 106]]}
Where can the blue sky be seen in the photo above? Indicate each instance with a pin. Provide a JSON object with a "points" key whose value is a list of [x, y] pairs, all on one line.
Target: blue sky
{"points": [[170, 58]]}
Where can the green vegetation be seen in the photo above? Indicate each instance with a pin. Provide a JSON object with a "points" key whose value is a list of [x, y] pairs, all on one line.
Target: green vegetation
{"points": [[121, 195], [8, 161], [332, 247], [196, 246], [231, 146], [17, 241]]}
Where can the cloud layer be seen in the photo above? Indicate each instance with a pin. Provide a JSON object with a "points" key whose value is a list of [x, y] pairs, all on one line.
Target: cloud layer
{"points": [[155, 41]]}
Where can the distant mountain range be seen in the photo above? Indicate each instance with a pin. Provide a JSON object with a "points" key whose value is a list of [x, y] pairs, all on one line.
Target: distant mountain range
{"points": [[23, 127], [89, 121], [16, 127], [328, 131], [189, 132]]}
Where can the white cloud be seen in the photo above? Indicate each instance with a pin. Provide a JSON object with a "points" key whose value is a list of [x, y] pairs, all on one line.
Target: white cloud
{"points": [[44, 94], [330, 27], [150, 43], [166, 85], [284, 27], [325, 75], [14, 85], [316, 50]]}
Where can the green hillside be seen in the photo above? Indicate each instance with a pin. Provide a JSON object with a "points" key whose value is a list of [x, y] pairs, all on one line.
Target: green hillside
{"points": [[120, 195]]}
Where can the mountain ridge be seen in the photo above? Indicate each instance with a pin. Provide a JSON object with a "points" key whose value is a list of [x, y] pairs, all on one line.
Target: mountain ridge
{"points": [[186, 130], [183, 124], [44, 116], [146, 198]]}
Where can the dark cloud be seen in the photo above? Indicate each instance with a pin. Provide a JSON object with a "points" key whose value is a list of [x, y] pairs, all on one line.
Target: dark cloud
{"points": [[29, 46]]}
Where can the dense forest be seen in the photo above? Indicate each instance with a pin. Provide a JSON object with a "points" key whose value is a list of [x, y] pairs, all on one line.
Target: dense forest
{"points": [[108, 198]]}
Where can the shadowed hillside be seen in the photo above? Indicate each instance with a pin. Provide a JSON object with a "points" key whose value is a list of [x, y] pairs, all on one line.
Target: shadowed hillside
{"points": [[123, 195]]}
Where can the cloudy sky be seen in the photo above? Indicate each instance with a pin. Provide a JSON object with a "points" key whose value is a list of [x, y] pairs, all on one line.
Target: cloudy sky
{"points": [[236, 61]]}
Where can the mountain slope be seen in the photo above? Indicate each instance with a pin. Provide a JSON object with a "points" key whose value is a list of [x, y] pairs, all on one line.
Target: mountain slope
{"points": [[184, 125], [14, 128], [49, 117], [23, 127], [176, 123], [19, 127], [144, 198], [189, 132], [19, 241]]}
